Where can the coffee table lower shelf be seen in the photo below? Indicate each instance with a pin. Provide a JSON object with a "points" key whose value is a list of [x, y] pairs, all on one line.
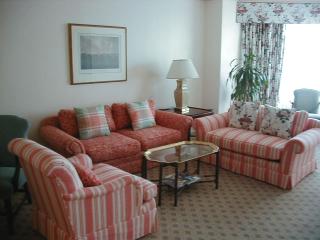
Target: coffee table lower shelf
{"points": [[174, 179]]}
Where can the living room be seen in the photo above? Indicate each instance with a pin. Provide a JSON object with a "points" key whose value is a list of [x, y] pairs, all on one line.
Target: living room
{"points": [[37, 82]]}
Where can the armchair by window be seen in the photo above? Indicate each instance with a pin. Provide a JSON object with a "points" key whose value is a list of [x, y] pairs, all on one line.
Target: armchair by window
{"points": [[308, 100]]}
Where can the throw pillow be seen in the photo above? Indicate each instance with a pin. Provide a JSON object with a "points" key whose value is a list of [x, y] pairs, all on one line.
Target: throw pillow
{"points": [[243, 115], [92, 122], [277, 121], [87, 176], [141, 115]]}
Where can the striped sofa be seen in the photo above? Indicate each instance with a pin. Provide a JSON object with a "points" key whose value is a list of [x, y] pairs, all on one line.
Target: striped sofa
{"points": [[123, 207], [278, 161]]}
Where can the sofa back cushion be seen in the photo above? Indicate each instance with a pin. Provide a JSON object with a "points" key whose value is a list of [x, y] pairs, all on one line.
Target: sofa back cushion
{"points": [[121, 115], [68, 121]]}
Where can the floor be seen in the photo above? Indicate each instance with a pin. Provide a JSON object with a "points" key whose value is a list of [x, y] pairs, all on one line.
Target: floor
{"points": [[242, 208]]}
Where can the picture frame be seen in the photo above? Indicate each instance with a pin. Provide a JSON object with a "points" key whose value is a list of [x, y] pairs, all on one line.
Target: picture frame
{"points": [[98, 53]]}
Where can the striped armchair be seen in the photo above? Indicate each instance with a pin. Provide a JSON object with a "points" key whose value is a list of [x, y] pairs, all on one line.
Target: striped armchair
{"points": [[123, 207], [278, 161]]}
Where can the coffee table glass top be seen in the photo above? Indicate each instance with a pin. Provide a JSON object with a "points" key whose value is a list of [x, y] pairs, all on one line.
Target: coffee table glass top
{"points": [[181, 152]]}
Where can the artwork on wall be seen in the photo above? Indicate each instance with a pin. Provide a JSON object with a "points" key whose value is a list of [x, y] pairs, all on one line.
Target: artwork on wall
{"points": [[97, 53]]}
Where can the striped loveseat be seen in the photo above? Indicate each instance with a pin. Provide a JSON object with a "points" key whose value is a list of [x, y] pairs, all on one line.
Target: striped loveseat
{"points": [[278, 161], [123, 207]]}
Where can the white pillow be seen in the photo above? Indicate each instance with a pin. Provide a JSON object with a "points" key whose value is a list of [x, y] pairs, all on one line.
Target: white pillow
{"points": [[277, 121], [243, 115]]}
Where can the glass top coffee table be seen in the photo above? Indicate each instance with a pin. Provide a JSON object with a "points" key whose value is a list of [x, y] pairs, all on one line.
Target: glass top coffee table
{"points": [[178, 153]]}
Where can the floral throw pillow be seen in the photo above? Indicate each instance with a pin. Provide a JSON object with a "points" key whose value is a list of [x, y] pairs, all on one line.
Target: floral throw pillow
{"points": [[92, 122], [141, 115], [243, 115], [87, 176], [277, 121]]}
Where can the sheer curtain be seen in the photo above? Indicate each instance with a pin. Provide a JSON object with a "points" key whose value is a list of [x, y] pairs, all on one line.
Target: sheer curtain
{"points": [[301, 64], [266, 42]]}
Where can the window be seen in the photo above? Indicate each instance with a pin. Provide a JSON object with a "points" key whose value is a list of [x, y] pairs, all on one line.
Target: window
{"points": [[301, 63]]}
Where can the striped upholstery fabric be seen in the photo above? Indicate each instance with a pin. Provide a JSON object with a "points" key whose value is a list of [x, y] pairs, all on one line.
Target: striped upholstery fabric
{"points": [[299, 122], [109, 173], [83, 159], [251, 143], [297, 155], [312, 123], [207, 124], [64, 209], [92, 122], [141, 115]]}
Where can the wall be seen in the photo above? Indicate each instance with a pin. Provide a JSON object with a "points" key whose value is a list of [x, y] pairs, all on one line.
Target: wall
{"points": [[34, 67], [230, 49], [221, 44]]}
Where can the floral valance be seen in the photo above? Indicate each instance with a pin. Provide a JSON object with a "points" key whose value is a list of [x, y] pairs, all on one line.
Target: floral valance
{"points": [[282, 13]]}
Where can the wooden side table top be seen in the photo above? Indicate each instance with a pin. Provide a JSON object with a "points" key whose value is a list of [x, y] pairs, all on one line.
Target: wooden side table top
{"points": [[194, 112]]}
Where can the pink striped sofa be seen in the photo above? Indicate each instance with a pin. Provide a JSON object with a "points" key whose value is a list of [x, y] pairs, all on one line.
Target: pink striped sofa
{"points": [[123, 207], [124, 147], [278, 161]]}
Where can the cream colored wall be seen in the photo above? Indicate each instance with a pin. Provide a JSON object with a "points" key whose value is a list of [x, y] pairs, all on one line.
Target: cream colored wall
{"points": [[212, 53], [230, 46], [221, 44], [34, 68]]}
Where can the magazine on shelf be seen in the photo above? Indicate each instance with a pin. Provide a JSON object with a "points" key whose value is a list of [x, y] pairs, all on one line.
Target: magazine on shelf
{"points": [[183, 180]]}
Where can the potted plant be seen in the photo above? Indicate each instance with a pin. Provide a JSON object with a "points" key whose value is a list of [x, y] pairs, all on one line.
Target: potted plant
{"points": [[248, 81]]}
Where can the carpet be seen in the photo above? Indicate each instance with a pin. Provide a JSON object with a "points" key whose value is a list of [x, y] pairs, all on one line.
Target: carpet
{"points": [[242, 208]]}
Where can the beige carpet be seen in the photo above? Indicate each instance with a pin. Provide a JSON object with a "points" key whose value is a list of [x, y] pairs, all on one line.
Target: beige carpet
{"points": [[242, 208]]}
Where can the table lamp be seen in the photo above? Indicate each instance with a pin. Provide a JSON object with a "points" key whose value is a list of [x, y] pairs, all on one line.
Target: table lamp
{"points": [[182, 70]]}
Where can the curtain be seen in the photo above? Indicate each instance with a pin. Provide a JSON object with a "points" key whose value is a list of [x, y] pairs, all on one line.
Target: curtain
{"points": [[266, 42]]}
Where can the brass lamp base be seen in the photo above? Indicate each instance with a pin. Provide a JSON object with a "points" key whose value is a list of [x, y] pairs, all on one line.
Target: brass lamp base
{"points": [[181, 96]]}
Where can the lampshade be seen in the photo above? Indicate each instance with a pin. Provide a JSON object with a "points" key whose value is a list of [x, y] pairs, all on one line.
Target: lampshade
{"points": [[181, 69]]}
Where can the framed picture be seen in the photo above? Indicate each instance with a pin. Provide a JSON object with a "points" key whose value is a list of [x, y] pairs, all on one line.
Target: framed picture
{"points": [[98, 54]]}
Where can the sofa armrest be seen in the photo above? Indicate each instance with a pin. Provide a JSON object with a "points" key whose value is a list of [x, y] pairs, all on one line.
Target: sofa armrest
{"points": [[303, 141], [100, 190], [175, 121], [149, 189], [61, 142], [312, 123], [207, 124], [299, 150], [82, 159]]}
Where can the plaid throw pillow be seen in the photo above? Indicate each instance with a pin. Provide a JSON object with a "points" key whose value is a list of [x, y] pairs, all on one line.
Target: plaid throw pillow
{"points": [[141, 115], [92, 122]]}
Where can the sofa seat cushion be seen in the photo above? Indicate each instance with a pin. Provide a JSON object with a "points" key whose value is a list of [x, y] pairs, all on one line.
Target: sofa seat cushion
{"points": [[110, 147], [107, 173], [153, 137], [251, 143]]}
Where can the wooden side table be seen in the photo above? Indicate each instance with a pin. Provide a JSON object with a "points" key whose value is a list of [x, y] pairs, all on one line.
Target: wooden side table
{"points": [[194, 112]]}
